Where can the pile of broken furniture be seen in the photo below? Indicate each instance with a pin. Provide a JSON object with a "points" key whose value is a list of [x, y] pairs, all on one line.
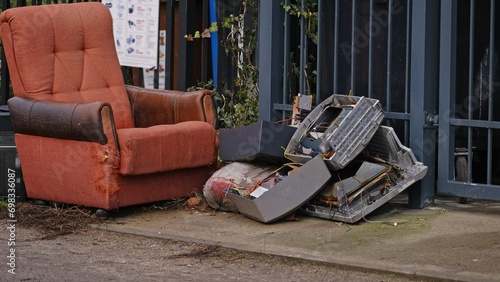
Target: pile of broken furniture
{"points": [[337, 163]]}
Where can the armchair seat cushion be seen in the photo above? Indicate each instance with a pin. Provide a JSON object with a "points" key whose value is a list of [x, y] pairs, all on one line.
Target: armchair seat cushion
{"points": [[166, 147]]}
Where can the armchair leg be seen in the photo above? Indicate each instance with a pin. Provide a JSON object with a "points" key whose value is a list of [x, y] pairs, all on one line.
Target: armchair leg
{"points": [[40, 203], [102, 213]]}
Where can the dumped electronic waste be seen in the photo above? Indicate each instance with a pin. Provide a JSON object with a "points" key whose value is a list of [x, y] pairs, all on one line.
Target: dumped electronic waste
{"points": [[382, 171], [283, 192], [342, 163]]}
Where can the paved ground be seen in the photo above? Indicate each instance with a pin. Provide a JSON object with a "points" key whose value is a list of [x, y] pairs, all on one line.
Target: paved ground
{"points": [[97, 255], [447, 241]]}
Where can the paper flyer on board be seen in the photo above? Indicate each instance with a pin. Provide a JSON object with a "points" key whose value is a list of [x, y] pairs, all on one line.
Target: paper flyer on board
{"points": [[149, 72], [135, 27]]}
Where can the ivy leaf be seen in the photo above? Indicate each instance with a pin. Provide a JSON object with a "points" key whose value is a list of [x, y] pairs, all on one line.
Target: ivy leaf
{"points": [[214, 27]]}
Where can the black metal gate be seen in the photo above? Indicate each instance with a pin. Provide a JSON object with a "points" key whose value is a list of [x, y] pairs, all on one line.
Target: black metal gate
{"points": [[383, 49], [469, 127]]}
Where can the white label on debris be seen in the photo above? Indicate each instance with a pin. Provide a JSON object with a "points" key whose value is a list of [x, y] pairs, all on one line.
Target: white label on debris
{"points": [[258, 192]]}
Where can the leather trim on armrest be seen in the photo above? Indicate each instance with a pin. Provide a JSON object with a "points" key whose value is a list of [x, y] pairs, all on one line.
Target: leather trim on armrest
{"points": [[75, 121], [155, 106]]}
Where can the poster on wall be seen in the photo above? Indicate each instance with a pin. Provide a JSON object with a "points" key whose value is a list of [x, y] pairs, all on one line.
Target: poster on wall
{"points": [[135, 27], [149, 73]]}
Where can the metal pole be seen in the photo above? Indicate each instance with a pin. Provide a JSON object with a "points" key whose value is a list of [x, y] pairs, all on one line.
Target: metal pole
{"points": [[169, 44], [490, 92], [424, 89], [471, 88], [303, 51], [370, 53], [286, 59], [407, 66], [389, 57], [447, 88], [353, 46], [185, 77], [270, 59], [319, 57], [336, 50]]}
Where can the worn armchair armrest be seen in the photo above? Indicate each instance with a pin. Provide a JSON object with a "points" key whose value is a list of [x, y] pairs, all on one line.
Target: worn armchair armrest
{"points": [[154, 106], [75, 121]]}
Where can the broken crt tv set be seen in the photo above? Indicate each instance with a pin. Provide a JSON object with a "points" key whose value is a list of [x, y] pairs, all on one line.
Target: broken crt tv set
{"points": [[338, 129], [283, 192], [383, 170]]}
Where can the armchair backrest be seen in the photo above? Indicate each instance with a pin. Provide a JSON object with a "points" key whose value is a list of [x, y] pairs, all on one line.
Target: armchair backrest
{"points": [[65, 52]]}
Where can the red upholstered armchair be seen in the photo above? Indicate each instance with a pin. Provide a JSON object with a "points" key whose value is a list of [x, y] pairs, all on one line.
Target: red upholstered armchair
{"points": [[82, 135]]}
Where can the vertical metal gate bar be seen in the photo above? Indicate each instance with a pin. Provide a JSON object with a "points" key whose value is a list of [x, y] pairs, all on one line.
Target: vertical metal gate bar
{"points": [[302, 51], [492, 62], [471, 88], [490, 156], [205, 44], [270, 59], [185, 62], [469, 154], [336, 49], [140, 78], [447, 88], [318, 52], [424, 86], [490, 92], [389, 56], [353, 47], [407, 70], [370, 52], [169, 44], [305, 49], [21, 3], [286, 59], [156, 71]]}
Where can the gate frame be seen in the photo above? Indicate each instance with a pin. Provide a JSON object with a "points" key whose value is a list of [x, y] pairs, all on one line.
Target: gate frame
{"points": [[424, 83], [446, 184], [424, 69]]}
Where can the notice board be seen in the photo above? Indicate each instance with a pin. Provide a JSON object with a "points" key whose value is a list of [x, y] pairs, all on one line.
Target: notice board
{"points": [[135, 27]]}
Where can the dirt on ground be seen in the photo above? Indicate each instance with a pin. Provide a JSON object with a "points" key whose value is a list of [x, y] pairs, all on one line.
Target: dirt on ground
{"points": [[55, 243], [52, 219]]}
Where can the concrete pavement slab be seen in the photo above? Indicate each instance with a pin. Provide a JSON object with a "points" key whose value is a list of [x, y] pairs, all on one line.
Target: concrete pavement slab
{"points": [[447, 241]]}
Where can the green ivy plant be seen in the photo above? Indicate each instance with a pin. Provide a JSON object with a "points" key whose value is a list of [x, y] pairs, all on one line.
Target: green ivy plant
{"points": [[239, 106], [310, 14]]}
